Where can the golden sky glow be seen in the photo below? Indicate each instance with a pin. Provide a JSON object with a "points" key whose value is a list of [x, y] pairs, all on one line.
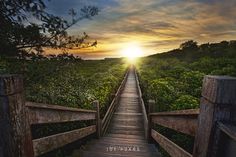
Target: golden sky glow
{"points": [[132, 51], [156, 25]]}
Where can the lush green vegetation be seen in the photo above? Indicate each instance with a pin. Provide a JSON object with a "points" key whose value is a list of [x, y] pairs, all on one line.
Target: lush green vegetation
{"points": [[69, 82], [174, 79]]}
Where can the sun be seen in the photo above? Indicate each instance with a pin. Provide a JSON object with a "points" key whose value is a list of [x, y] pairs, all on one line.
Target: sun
{"points": [[132, 51]]}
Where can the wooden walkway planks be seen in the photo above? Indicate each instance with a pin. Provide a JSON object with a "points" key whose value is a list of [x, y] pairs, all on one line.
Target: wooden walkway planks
{"points": [[125, 137]]}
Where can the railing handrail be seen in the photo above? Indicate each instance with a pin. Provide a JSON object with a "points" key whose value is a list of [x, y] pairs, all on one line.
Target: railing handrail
{"points": [[49, 143], [217, 109], [142, 105], [173, 149], [45, 106], [184, 121], [39, 113], [20, 115], [177, 112], [106, 119]]}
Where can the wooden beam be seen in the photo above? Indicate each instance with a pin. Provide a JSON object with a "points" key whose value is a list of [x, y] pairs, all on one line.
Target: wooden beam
{"points": [[170, 147], [217, 104], [184, 121], [145, 116], [178, 112], [98, 120], [49, 143], [228, 129], [151, 107], [43, 113], [15, 133], [106, 120]]}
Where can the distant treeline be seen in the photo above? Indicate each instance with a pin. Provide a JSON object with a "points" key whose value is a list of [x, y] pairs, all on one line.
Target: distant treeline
{"points": [[190, 50]]}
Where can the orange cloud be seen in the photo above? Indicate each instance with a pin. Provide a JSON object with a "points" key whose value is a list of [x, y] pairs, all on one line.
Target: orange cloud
{"points": [[157, 25]]}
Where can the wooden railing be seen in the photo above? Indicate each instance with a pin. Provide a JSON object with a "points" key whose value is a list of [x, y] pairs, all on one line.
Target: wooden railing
{"points": [[145, 117], [108, 116], [43, 114], [213, 125], [17, 116]]}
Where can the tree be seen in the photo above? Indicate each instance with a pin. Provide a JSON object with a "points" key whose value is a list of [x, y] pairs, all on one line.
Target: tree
{"points": [[189, 45], [20, 36]]}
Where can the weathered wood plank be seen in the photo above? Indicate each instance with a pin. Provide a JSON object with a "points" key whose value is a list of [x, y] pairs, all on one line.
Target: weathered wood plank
{"points": [[56, 107], [122, 84], [15, 134], [178, 112], [98, 120], [151, 104], [106, 120], [43, 113], [219, 89], [145, 117], [173, 149], [185, 122], [217, 104], [228, 129], [46, 144]]}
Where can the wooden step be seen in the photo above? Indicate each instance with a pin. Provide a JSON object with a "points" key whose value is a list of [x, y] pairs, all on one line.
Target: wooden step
{"points": [[131, 99], [131, 104], [129, 107], [114, 154], [129, 110], [127, 132], [125, 136], [120, 140], [121, 148], [126, 127], [130, 122], [128, 116]]}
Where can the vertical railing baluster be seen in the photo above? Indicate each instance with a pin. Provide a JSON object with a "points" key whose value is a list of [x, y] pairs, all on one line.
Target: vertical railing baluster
{"points": [[98, 120], [151, 104], [218, 103], [15, 132]]}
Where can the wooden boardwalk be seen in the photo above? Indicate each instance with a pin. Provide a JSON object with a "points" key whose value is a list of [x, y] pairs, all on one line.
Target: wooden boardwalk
{"points": [[124, 124], [125, 137]]}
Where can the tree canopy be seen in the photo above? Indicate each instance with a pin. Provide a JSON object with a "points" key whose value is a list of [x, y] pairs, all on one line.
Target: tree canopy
{"points": [[189, 45], [20, 36]]}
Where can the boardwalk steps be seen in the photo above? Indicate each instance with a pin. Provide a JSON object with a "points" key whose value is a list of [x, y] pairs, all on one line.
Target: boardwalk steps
{"points": [[123, 127], [125, 137]]}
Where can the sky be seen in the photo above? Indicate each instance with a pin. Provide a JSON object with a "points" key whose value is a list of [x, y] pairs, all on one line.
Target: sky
{"points": [[156, 26]]}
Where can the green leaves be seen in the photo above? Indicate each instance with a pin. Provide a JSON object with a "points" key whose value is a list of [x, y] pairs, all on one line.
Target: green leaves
{"points": [[192, 82], [162, 92], [185, 102], [20, 35], [73, 83]]}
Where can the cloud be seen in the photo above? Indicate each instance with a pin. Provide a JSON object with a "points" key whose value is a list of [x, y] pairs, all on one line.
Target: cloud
{"points": [[157, 25]]}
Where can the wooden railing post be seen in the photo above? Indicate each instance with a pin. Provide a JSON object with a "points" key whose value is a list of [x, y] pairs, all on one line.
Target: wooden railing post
{"points": [[151, 104], [15, 133], [218, 104], [98, 120]]}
